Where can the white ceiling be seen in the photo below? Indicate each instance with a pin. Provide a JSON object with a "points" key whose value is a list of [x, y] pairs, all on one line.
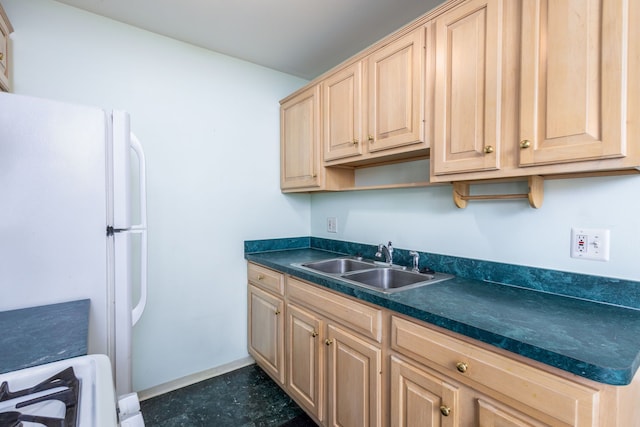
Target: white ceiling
{"points": [[300, 37]]}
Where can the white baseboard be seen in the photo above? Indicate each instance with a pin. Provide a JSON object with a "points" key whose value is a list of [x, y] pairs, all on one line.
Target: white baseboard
{"points": [[194, 378]]}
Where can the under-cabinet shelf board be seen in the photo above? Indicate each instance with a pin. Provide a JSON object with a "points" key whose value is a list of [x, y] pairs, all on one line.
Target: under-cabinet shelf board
{"points": [[393, 186]]}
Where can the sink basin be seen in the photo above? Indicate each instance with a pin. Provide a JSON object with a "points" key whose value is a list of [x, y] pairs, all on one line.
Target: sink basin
{"points": [[392, 280], [372, 275], [386, 278], [338, 265]]}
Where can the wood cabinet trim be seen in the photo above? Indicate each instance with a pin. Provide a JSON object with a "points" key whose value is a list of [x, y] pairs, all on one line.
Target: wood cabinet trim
{"points": [[362, 318], [265, 278]]}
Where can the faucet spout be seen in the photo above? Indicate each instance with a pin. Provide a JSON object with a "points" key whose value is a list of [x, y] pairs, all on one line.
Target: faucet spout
{"points": [[386, 252]]}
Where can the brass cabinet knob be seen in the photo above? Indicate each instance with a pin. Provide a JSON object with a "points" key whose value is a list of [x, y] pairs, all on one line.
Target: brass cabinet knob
{"points": [[370, 138], [277, 311], [314, 334], [328, 341], [260, 277], [488, 149], [1, 56], [355, 141], [462, 367], [445, 410], [525, 143]]}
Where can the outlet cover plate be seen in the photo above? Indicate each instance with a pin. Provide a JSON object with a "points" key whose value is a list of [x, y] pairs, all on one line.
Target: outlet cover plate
{"points": [[590, 243]]}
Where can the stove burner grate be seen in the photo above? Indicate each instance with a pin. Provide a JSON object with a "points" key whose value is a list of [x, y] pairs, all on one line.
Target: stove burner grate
{"points": [[65, 379]]}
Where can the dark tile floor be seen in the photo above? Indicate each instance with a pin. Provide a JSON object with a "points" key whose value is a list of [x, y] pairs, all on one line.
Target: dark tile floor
{"points": [[246, 397]]}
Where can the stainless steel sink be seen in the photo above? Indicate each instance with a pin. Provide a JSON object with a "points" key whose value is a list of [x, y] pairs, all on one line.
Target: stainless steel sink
{"points": [[371, 275], [338, 265], [386, 278], [392, 280]]}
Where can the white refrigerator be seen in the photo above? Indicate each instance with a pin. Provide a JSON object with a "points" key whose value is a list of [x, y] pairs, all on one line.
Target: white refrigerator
{"points": [[67, 176]]}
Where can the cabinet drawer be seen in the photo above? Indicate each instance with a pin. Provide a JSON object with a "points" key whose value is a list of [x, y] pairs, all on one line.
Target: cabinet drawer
{"points": [[359, 317], [566, 401], [265, 278]]}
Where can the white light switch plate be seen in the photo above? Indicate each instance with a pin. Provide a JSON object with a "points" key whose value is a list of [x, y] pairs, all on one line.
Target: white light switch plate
{"points": [[332, 224], [590, 243]]}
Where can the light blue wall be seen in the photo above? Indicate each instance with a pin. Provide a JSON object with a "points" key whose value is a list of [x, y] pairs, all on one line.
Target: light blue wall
{"points": [[426, 219], [210, 127]]}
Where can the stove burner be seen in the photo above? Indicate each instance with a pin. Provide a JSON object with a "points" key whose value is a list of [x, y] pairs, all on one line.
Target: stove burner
{"points": [[65, 379]]}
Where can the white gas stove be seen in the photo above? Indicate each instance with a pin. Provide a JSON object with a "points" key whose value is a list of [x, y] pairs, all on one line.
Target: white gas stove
{"points": [[75, 392]]}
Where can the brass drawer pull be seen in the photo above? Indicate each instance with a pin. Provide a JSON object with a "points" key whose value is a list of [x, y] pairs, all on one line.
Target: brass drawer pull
{"points": [[260, 277], [445, 410], [328, 341], [462, 367], [314, 334]]}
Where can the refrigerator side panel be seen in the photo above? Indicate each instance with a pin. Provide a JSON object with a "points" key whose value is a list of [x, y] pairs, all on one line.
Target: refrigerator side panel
{"points": [[53, 244]]}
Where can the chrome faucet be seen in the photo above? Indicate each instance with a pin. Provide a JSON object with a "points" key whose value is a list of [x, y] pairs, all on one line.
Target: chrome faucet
{"points": [[416, 261], [387, 251]]}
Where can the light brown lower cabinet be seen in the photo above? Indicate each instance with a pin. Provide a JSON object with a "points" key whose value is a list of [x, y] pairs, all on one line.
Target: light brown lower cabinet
{"points": [[266, 331], [333, 372], [454, 382], [265, 303], [351, 364], [422, 397], [305, 367]]}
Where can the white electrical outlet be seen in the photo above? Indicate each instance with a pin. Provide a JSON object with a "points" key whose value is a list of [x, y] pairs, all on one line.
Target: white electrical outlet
{"points": [[590, 243], [332, 224]]}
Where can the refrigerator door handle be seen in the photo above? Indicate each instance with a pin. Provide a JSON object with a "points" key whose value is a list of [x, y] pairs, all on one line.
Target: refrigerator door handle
{"points": [[141, 229]]}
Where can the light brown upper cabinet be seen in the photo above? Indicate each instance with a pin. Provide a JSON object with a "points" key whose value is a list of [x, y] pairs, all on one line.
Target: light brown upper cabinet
{"points": [[573, 82], [342, 113], [486, 88], [536, 87], [301, 166], [5, 30], [467, 94], [374, 108], [300, 140]]}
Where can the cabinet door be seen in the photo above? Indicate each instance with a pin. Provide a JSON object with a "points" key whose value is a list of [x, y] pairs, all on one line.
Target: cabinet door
{"points": [[420, 398], [300, 141], [354, 380], [305, 367], [5, 30], [266, 331], [468, 98], [396, 93], [342, 113], [573, 80]]}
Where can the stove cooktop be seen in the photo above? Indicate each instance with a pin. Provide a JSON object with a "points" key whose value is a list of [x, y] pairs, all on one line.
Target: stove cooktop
{"points": [[76, 392]]}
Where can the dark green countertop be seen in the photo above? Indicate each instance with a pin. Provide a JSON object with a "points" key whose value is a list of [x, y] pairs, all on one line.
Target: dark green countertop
{"points": [[597, 341], [38, 335]]}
